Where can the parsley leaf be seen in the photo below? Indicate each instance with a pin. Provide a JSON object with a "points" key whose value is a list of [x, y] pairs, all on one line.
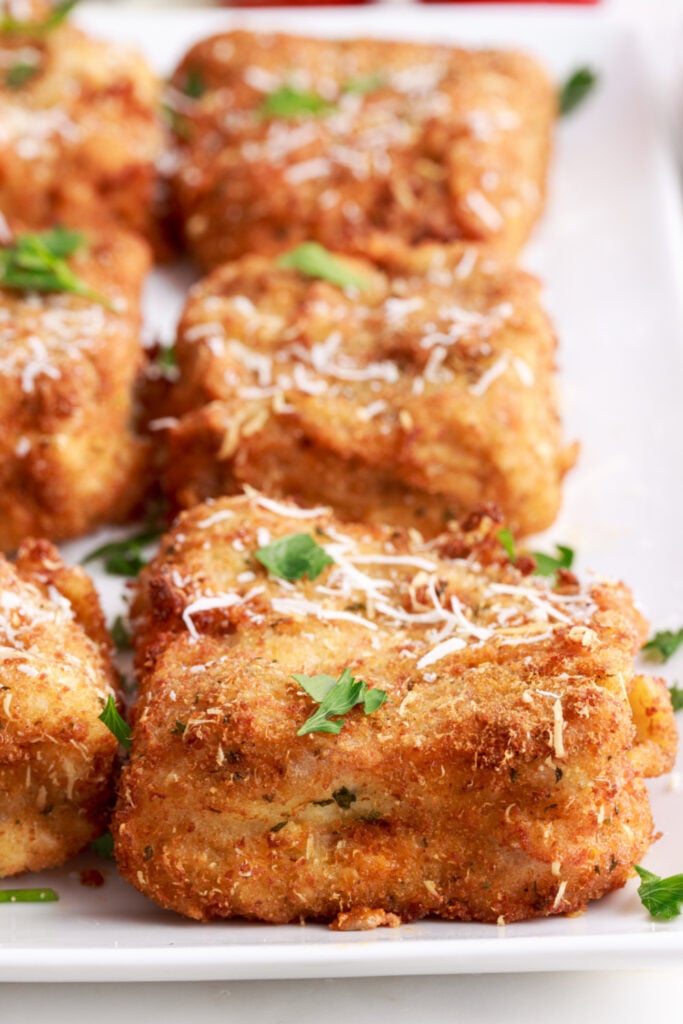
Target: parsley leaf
{"points": [[115, 723], [103, 846], [167, 360], [664, 644], [660, 896], [19, 74], [37, 262], [124, 557], [344, 798], [28, 896], [195, 86], [676, 694], [336, 697], [546, 565], [314, 260], [508, 541], [288, 101], [294, 556], [576, 88], [120, 634], [56, 16]]}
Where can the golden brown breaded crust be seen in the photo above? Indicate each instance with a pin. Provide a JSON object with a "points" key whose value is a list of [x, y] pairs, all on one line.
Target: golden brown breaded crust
{"points": [[419, 142], [56, 759], [69, 458], [430, 391], [503, 776], [80, 135]]}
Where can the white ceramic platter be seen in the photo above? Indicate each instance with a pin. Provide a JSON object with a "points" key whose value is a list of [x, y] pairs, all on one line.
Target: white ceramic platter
{"points": [[609, 249]]}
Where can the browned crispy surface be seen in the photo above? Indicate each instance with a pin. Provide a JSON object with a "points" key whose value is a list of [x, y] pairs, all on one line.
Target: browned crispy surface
{"points": [[425, 394], [503, 777], [421, 142], [69, 459], [79, 138], [56, 758]]}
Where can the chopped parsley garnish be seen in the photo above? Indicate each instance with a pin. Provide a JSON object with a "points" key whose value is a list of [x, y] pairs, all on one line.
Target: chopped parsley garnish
{"points": [[293, 557], [344, 798], [195, 86], [124, 557], [120, 634], [19, 74], [166, 359], [676, 694], [288, 101], [662, 897], [115, 723], [314, 260], [508, 541], [576, 88], [103, 846], [28, 896], [664, 644], [336, 697], [365, 84], [56, 16], [546, 565], [37, 262]]}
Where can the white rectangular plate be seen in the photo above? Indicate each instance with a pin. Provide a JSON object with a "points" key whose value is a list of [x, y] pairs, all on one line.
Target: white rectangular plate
{"points": [[609, 250]]}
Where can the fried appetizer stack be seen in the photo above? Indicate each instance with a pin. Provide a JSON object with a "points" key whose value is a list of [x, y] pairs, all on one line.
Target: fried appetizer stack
{"points": [[69, 459], [422, 388], [56, 758], [79, 132], [283, 139], [502, 776]]}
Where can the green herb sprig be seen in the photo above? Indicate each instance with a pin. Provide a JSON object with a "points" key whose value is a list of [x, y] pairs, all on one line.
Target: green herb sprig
{"points": [[124, 557], [103, 846], [664, 644], [28, 896], [293, 557], [20, 74], [313, 260], [576, 88], [546, 565], [676, 694], [120, 635], [288, 101], [115, 723], [662, 897], [336, 697], [56, 16], [194, 86], [507, 539], [37, 262]]}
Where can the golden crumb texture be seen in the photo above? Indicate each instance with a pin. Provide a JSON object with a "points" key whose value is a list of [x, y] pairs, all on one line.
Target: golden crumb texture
{"points": [[283, 138], [56, 759], [502, 779], [410, 399], [80, 134], [70, 459]]}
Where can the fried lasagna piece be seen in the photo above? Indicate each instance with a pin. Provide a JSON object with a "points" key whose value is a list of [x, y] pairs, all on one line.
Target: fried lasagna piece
{"points": [[502, 778], [79, 130], [56, 758], [427, 390], [283, 139], [69, 458]]}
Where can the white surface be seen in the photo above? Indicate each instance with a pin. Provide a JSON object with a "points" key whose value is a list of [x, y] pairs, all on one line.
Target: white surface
{"points": [[609, 247]]}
